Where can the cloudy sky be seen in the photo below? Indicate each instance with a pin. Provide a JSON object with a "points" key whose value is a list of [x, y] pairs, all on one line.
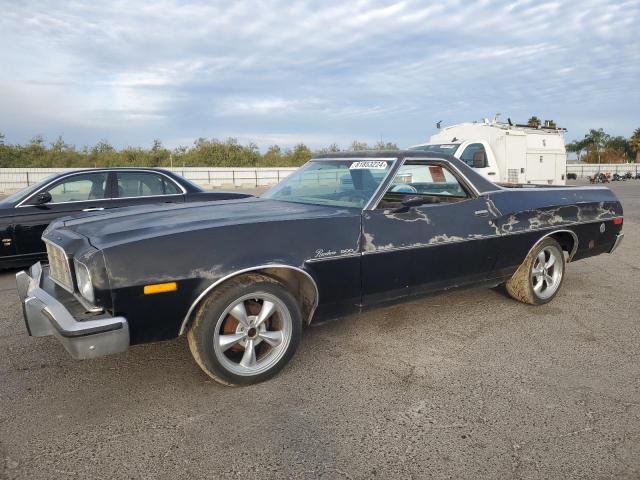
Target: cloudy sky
{"points": [[320, 72]]}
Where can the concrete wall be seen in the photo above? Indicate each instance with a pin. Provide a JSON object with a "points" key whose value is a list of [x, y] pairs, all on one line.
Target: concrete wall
{"points": [[12, 179], [584, 170]]}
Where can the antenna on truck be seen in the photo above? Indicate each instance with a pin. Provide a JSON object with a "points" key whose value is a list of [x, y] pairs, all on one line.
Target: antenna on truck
{"points": [[438, 124]]}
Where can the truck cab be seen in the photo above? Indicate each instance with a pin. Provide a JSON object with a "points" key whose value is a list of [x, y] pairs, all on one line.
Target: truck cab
{"points": [[475, 153], [505, 153]]}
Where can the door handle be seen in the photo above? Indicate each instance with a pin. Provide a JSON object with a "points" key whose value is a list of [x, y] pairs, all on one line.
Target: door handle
{"points": [[481, 213], [95, 209]]}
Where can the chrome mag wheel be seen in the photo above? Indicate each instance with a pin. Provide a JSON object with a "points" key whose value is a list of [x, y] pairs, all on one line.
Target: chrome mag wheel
{"points": [[252, 334], [546, 272]]}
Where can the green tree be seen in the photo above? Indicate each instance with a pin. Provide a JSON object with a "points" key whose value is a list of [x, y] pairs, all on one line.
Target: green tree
{"points": [[333, 148], [534, 122], [62, 154], [159, 156], [596, 141], [550, 124], [273, 157], [357, 146], [204, 152], [621, 145], [300, 155], [634, 143], [577, 147], [385, 146], [102, 154]]}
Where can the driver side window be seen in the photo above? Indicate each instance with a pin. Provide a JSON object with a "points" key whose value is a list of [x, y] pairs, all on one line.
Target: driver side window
{"points": [[80, 188], [431, 183]]}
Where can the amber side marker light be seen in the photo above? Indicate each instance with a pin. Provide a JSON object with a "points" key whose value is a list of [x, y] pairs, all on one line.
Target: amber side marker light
{"points": [[617, 221], [160, 288]]}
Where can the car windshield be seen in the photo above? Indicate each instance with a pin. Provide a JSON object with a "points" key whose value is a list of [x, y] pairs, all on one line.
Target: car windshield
{"points": [[25, 192], [449, 148], [342, 183]]}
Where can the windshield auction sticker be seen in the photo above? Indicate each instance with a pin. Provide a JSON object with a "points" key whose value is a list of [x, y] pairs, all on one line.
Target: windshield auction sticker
{"points": [[368, 165]]}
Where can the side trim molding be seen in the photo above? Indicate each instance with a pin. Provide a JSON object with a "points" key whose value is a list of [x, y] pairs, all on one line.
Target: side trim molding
{"points": [[185, 321]]}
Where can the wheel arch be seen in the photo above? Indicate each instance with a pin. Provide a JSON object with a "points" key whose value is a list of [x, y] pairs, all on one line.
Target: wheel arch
{"points": [[568, 240], [297, 280]]}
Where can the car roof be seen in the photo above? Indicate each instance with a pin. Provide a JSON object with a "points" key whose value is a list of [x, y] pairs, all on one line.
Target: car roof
{"points": [[186, 184], [383, 154], [101, 169]]}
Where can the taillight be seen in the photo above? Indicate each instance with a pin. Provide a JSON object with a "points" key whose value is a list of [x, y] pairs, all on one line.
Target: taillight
{"points": [[617, 221]]}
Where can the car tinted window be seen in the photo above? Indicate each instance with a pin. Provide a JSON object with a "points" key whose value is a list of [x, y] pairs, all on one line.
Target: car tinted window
{"points": [[474, 156], [347, 183], [433, 182], [88, 186], [170, 188], [143, 184]]}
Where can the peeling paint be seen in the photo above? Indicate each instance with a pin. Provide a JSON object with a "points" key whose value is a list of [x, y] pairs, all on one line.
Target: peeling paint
{"points": [[535, 219], [413, 215], [370, 246], [444, 238]]}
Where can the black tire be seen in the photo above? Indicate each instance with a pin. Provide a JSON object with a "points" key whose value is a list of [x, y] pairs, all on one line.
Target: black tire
{"points": [[208, 319], [523, 287]]}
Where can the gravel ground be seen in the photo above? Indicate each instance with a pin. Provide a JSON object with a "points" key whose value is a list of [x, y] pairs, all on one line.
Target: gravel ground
{"points": [[463, 385]]}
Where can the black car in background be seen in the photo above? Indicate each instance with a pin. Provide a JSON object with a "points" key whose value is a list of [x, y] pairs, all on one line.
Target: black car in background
{"points": [[25, 214]]}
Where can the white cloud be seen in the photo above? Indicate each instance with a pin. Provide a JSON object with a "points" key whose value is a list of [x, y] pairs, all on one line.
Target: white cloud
{"points": [[340, 69], [240, 106]]}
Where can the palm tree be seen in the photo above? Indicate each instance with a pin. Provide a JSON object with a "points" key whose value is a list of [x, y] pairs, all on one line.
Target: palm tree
{"points": [[534, 122]]}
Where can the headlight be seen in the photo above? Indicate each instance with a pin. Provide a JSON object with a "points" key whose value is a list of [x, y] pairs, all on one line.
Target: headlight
{"points": [[83, 278]]}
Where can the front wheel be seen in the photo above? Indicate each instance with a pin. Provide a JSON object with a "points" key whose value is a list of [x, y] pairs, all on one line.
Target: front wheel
{"points": [[246, 330], [539, 277]]}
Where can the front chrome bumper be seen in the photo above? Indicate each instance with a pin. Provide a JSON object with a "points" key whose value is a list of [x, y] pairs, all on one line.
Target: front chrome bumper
{"points": [[618, 241], [44, 315]]}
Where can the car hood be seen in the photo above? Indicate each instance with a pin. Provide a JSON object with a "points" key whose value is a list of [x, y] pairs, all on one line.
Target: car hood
{"points": [[108, 228]]}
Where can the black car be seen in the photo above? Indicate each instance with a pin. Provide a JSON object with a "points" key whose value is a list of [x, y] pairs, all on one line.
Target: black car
{"points": [[345, 232], [25, 214]]}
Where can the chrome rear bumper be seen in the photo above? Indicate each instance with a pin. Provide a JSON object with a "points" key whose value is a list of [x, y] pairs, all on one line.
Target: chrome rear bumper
{"points": [[45, 315], [618, 241]]}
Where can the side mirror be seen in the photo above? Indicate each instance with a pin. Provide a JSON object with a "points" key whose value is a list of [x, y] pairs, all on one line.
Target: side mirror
{"points": [[412, 201], [42, 198]]}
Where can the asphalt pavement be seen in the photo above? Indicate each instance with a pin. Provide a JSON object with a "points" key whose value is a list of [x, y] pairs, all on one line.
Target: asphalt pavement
{"points": [[467, 384]]}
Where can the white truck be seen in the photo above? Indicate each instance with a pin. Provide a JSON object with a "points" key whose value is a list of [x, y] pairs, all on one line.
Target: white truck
{"points": [[505, 153]]}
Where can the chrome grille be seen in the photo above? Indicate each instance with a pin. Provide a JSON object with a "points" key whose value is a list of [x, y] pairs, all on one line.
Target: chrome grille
{"points": [[59, 268]]}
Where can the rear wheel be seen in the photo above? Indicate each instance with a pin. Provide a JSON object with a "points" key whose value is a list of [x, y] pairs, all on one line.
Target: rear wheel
{"points": [[245, 331], [539, 277]]}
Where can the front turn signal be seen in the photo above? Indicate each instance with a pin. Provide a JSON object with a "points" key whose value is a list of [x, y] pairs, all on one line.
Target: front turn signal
{"points": [[160, 288]]}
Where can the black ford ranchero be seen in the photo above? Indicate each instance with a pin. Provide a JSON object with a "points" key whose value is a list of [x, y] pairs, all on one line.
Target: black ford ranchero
{"points": [[345, 232]]}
